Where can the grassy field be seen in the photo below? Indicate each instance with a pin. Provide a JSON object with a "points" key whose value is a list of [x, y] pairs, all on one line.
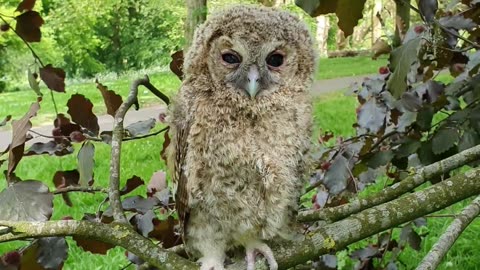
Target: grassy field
{"points": [[333, 112], [17, 103], [348, 66]]}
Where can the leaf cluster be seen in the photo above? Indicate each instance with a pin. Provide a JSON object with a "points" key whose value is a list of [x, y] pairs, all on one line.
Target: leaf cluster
{"points": [[412, 113]]}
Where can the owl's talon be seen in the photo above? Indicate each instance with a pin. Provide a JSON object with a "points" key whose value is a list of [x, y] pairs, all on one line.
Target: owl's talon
{"points": [[263, 249], [207, 263]]}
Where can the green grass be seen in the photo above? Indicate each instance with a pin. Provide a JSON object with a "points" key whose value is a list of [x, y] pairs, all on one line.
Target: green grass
{"points": [[17, 103], [141, 158], [336, 113], [329, 68]]}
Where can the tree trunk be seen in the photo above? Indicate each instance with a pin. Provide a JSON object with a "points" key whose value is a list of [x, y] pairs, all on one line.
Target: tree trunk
{"points": [[341, 40], [196, 14], [376, 23], [402, 20], [323, 24]]}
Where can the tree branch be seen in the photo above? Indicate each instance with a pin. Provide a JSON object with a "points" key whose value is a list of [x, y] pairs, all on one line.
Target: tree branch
{"points": [[116, 234], [443, 245], [147, 135], [335, 236], [117, 137], [338, 235], [154, 90], [421, 176], [79, 189]]}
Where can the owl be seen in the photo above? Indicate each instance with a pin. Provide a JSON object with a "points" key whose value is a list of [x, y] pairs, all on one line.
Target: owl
{"points": [[240, 130]]}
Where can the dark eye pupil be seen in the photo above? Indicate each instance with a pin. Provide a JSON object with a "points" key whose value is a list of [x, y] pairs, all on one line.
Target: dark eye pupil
{"points": [[275, 60], [230, 58]]}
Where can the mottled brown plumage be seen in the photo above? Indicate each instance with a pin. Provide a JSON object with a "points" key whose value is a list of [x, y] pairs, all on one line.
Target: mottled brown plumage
{"points": [[240, 128]]}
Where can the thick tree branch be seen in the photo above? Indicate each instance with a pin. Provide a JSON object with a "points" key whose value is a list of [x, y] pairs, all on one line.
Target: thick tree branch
{"points": [[443, 245], [340, 234], [116, 234], [335, 236], [421, 176], [117, 137]]}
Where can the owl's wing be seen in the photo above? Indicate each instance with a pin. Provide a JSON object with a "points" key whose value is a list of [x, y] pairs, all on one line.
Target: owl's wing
{"points": [[181, 195], [177, 152]]}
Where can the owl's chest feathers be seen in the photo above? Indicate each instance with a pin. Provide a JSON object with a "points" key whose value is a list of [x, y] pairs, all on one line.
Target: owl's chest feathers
{"points": [[232, 137], [243, 155]]}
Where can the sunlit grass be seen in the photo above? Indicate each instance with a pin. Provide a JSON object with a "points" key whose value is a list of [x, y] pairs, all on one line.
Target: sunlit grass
{"points": [[329, 68], [17, 103]]}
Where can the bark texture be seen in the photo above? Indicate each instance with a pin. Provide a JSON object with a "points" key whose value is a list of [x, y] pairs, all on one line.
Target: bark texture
{"points": [[446, 241], [334, 236]]}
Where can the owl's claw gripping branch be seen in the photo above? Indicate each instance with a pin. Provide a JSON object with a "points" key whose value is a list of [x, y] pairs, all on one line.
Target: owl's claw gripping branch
{"points": [[257, 247]]}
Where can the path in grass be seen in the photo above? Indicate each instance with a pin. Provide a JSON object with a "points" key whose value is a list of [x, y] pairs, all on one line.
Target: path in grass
{"points": [[106, 121]]}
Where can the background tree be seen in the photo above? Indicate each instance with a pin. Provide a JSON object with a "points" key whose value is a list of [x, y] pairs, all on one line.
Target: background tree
{"points": [[196, 14]]}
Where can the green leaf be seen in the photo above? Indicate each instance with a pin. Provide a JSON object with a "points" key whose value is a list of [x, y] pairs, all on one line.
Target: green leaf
{"points": [[407, 148], [141, 127], [380, 159], [317, 7], [28, 200], [468, 140], [86, 163], [371, 115], [473, 63], [52, 252], [401, 60], [337, 175], [33, 82], [424, 118], [348, 12], [444, 139]]}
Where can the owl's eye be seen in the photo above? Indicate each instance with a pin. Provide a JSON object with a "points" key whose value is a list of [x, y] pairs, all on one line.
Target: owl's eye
{"points": [[231, 58], [275, 60]]}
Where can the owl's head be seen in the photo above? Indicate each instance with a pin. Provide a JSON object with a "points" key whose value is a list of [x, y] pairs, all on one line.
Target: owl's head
{"points": [[252, 51]]}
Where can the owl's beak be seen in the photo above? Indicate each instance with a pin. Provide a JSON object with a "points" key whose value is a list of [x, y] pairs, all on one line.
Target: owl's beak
{"points": [[253, 81]]}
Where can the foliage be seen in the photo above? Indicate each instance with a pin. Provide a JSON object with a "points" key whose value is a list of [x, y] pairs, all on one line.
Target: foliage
{"points": [[105, 36], [406, 119]]}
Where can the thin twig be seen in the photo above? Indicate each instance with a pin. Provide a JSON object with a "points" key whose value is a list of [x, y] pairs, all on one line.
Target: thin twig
{"points": [[79, 189], [147, 135], [35, 55], [8, 16], [154, 90], [90, 138], [117, 137], [476, 45], [47, 136], [37, 58], [443, 216], [448, 238]]}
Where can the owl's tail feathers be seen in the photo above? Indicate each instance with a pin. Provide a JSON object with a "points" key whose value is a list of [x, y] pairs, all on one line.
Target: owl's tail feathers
{"points": [[256, 246]]}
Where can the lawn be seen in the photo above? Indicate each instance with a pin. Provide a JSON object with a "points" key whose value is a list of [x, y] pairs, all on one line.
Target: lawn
{"points": [[17, 103], [348, 66], [333, 112]]}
